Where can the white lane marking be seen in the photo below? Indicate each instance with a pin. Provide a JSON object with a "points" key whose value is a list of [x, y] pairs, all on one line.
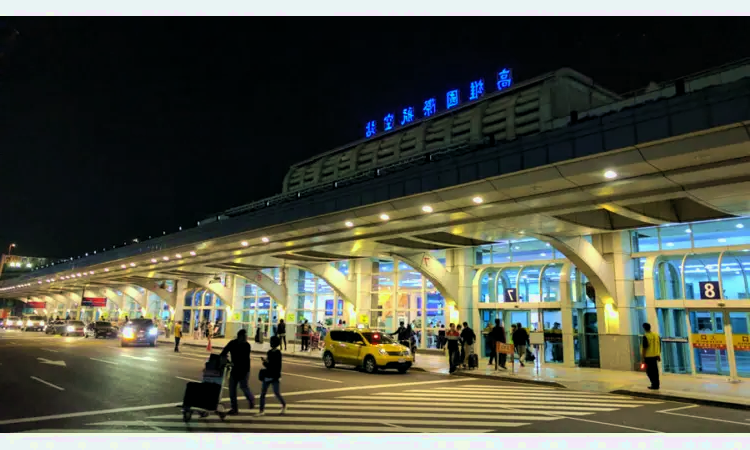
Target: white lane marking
{"points": [[391, 425], [188, 379], [312, 378], [357, 408], [486, 387], [669, 411], [52, 363], [281, 426], [553, 406], [48, 383], [645, 430], [519, 400], [104, 361], [50, 350], [678, 409], [300, 410], [174, 404], [139, 358], [572, 397]]}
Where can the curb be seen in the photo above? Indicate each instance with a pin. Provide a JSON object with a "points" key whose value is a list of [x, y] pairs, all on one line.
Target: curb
{"points": [[510, 379], [677, 398], [291, 355]]}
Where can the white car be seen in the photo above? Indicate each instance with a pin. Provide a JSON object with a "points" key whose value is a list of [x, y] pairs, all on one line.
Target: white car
{"points": [[33, 323], [13, 323]]}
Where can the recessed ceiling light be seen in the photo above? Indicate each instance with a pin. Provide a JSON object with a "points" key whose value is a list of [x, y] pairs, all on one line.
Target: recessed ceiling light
{"points": [[178, 256], [153, 260], [670, 244], [477, 200], [349, 224], [610, 174], [244, 243], [384, 217], [106, 269], [427, 208], [264, 240], [165, 258], [132, 264], [739, 225], [124, 266], [542, 254], [722, 240], [688, 230], [192, 253]]}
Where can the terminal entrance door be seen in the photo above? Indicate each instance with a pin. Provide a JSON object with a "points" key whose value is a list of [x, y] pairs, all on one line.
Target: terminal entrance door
{"points": [[674, 338], [586, 341], [709, 342]]}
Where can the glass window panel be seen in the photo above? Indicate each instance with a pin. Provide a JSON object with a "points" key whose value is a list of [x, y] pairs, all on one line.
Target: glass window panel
{"points": [[675, 237], [382, 282], [439, 255], [486, 284], [528, 286], [721, 233], [667, 279], [248, 303], [189, 299], [578, 282], [483, 254], [264, 303], [382, 300], [250, 290], [382, 266], [700, 268], [638, 265], [506, 280], [198, 298], [409, 279], [645, 240], [530, 250], [322, 300], [735, 268], [305, 302], [551, 283], [501, 252]]}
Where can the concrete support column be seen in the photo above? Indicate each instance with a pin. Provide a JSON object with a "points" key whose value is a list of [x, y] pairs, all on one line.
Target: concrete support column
{"points": [[566, 311], [233, 305], [291, 287], [618, 338], [180, 289], [462, 264], [363, 277]]}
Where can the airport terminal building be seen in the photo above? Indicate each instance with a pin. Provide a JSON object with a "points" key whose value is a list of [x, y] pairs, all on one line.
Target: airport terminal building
{"points": [[552, 202]]}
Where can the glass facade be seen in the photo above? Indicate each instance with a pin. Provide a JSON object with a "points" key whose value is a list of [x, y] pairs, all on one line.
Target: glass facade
{"points": [[203, 306]]}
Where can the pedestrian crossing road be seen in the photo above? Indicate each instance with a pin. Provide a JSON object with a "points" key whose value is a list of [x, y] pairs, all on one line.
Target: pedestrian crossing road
{"points": [[468, 408]]}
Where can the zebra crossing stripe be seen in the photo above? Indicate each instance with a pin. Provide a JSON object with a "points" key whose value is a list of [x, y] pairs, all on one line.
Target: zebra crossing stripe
{"points": [[520, 394], [520, 400], [547, 406], [268, 425]]}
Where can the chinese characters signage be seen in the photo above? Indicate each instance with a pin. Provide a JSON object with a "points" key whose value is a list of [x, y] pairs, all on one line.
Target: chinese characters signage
{"points": [[710, 341], [431, 106]]}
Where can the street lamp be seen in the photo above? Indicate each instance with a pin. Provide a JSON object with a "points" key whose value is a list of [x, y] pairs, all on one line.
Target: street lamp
{"points": [[10, 248]]}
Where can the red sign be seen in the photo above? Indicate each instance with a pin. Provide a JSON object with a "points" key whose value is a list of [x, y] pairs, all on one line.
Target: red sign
{"points": [[94, 302], [36, 305]]}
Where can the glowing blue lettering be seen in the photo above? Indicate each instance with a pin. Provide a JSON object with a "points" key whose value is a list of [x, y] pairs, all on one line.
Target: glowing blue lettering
{"points": [[388, 122], [430, 107], [451, 99], [504, 79], [407, 115], [476, 89], [371, 129]]}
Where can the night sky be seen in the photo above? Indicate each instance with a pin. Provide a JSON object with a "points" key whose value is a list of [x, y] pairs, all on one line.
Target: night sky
{"points": [[112, 129]]}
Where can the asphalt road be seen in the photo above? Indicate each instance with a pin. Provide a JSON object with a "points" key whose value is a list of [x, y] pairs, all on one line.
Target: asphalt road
{"points": [[76, 385]]}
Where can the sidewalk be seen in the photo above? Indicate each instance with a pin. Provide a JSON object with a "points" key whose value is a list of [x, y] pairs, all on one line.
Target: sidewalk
{"points": [[705, 389]]}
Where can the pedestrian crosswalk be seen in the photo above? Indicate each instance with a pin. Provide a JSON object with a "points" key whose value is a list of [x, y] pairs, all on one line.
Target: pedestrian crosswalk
{"points": [[471, 408]]}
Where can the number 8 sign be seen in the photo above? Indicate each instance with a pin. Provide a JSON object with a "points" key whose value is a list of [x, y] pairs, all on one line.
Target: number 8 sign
{"points": [[710, 290]]}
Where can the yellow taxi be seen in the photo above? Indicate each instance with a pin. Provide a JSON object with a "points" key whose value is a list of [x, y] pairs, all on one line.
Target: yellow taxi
{"points": [[371, 350]]}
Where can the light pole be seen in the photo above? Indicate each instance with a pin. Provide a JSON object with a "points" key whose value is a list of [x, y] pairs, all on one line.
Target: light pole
{"points": [[10, 248]]}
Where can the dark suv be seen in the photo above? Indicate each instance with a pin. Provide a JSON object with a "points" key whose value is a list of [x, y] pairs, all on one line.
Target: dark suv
{"points": [[139, 331]]}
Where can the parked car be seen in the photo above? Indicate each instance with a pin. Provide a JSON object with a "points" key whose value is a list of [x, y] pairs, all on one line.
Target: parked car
{"points": [[51, 327], [33, 323], [371, 350], [68, 328], [100, 329], [13, 323]]}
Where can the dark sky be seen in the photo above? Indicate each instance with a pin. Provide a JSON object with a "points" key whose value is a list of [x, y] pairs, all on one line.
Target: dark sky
{"points": [[112, 129]]}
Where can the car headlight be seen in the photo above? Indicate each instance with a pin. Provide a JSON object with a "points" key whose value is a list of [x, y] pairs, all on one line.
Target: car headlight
{"points": [[41, 324], [20, 323], [29, 323], [382, 352], [406, 352], [153, 331], [127, 333], [71, 328]]}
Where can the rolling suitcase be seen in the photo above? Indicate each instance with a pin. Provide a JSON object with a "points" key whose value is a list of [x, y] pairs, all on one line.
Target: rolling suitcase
{"points": [[473, 361]]}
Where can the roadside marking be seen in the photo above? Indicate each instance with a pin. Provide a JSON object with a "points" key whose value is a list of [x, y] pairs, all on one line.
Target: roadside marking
{"points": [[291, 427], [174, 404], [188, 379], [671, 413], [52, 363], [104, 361], [615, 425], [312, 378], [140, 358], [391, 425], [50, 350], [48, 383]]}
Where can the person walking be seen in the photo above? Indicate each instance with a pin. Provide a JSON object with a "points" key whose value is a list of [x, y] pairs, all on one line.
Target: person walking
{"points": [[177, 336], [259, 332], [460, 354], [651, 355], [520, 340], [239, 349], [497, 335], [281, 332], [270, 376], [468, 337], [451, 338], [305, 336]]}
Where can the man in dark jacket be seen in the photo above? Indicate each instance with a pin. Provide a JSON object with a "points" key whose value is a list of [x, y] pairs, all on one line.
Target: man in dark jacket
{"points": [[468, 337], [272, 375], [281, 333], [520, 340], [497, 335], [239, 349], [452, 338], [403, 335]]}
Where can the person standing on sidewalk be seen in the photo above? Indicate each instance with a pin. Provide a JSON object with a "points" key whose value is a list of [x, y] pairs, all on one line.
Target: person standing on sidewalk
{"points": [[177, 336], [305, 331], [651, 355], [520, 340], [281, 332], [239, 349], [451, 338], [497, 335], [468, 337], [271, 375]]}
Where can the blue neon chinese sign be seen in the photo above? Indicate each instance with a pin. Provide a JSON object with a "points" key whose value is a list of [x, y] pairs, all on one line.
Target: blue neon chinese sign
{"points": [[453, 99]]}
